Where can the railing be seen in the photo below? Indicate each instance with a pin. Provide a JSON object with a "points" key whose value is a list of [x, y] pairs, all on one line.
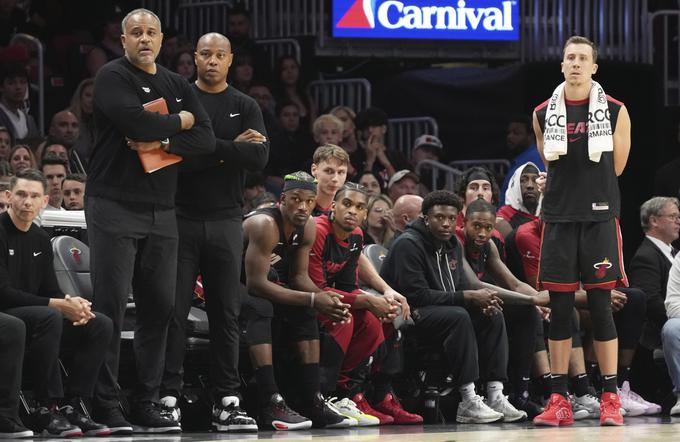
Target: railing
{"points": [[195, 18], [618, 27], [664, 48], [41, 75], [402, 132], [438, 169], [277, 47], [498, 166], [284, 18], [352, 92]]}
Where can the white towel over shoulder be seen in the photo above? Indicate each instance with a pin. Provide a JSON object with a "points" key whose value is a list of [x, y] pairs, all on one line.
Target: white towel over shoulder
{"points": [[555, 130]]}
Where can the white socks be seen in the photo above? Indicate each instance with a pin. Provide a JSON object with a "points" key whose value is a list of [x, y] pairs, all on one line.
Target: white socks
{"points": [[494, 390], [467, 391]]}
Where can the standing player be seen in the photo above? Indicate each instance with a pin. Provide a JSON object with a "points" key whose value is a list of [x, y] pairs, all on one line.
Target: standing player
{"points": [[209, 206], [583, 137]]}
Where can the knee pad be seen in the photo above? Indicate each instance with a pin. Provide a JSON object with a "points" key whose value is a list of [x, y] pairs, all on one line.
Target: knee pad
{"points": [[561, 308], [599, 302]]}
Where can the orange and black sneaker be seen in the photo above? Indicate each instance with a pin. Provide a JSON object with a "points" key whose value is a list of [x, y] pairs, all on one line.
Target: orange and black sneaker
{"points": [[557, 413], [610, 409]]}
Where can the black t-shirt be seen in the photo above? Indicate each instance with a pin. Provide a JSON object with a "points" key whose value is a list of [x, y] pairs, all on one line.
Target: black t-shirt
{"points": [[120, 91], [578, 189], [210, 186], [26, 271]]}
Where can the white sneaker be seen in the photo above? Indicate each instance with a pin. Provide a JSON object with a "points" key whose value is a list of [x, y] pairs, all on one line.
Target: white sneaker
{"points": [[676, 408], [651, 408], [346, 420], [475, 411], [509, 412], [348, 408], [585, 407], [628, 403], [170, 409]]}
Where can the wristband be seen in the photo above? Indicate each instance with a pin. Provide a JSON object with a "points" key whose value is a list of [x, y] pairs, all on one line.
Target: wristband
{"points": [[311, 299]]}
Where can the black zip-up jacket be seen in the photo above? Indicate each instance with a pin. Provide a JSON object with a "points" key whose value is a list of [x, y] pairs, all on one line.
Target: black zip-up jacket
{"points": [[424, 269], [120, 91]]}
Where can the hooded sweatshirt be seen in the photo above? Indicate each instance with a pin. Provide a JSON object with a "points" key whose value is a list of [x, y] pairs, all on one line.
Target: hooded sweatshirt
{"points": [[515, 212], [424, 269]]}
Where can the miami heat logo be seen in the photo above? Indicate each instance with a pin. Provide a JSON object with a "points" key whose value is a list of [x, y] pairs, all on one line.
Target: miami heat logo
{"points": [[602, 267], [76, 254], [359, 15]]}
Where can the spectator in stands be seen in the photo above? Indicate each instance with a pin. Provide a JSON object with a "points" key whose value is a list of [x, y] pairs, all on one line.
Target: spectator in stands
{"points": [[5, 143], [521, 198], [266, 199], [427, 147], [110, 42], [406, 209], [65, 130], [238, 31], [652, 261], [336, 264], [58, 150], [73, 188], [667, 177], [5, 172], [329, 167], [294, 145], [374, 153], [55, 170], [282, 297], [327, 129], [426, 264], [173, 42], [96, 58], [13, 88], [670, 333], [290, 87], [401, 183], [242, 72], [253, 188], [183, 64], [349, 133], [373, 183], [262, 93], [11, 17], [4, 196], [21, 157], [81, 107], [521, 145], [379, 226], [57, 324]]}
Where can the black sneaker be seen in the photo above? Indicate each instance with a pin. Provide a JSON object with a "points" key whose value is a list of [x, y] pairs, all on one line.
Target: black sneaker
{"points": [[228, 416], [48, 422], [526, 404], [324, 415], [83, 421], [114, 420], [147, 417], [13, 429], [277, 415]]}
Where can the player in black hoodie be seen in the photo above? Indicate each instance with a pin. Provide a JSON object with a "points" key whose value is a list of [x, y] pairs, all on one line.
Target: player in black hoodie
{"points": [[451, 306]]}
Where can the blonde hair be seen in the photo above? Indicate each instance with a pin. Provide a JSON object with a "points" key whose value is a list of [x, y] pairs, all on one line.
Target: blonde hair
{"points": [[326, 118], [388, 234]]}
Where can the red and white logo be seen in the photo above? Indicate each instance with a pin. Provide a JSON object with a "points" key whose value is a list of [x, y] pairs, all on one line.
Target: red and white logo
{"points": [[359, 15], [602, 267], [76, 254]]}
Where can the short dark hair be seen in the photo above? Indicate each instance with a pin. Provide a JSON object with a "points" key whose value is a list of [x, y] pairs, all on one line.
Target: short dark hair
{"points": [[81, 178], [465, 179], [371, 117], [524, 120], [51, 159], [13, 70], [29, 175], [580, 40], [353, 187], [479, 206], [238, 10], [441, 198]]}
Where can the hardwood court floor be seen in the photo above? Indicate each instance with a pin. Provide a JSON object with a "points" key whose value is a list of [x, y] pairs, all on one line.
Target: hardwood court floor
{"points": [[652, 429]]}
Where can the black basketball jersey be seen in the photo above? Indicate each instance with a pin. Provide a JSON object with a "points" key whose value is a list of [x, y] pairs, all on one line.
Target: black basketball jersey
{"points": [[476, 256], [285, 248], [578, 189]]}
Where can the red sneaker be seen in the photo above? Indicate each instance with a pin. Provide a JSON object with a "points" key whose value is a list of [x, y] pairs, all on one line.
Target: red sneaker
{"points": [[610, 409], [557, 412], [390, 405], [363, 406]]}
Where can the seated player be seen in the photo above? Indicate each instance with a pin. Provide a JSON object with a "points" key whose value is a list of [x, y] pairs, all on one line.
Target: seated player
{"points": [[521, 199], [283, 298]]}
